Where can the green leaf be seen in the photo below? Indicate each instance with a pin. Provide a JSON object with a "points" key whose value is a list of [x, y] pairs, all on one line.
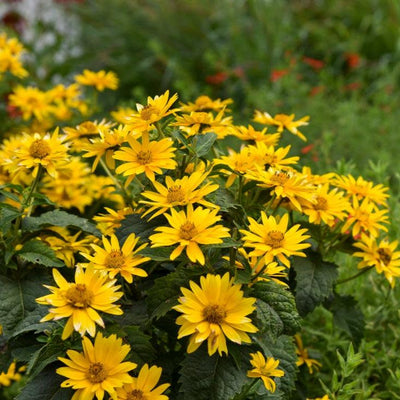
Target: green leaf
{"points": [[19, 311], [203, 143], [276, 309], [7, 215], [142, 350], [38, 252], [213, 378], [157, 254], [141, 227], [224, 198], [314, 281], [59, 218]]}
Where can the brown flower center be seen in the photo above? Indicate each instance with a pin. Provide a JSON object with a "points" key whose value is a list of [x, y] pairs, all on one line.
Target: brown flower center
{"points": [[147, 111], [79, 296], [187, 231], [280, 178], [115, 259], [39, 149], [214, 314], [322, 203], [96, 373], [274, 239], [385, 255], [144, 157], [136, 394], [175, 194]]}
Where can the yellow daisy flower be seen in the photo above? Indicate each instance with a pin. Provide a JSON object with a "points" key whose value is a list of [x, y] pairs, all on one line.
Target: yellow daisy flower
{"points": [[213, 310], [121, 114], [11, 51], [269, 156], [12, 374], [156, 109], [205, 103], [116, 260], [265, 369], [99, 369], [92, 291], [107, 223], [100, 80], [149, 157], [282, 121], [188, 230], [178, 192], [272, 238], [143, 387], [304, 358], [250, 133]]}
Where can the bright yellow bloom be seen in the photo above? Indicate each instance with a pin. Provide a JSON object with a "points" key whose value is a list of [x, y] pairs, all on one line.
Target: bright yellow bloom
{"points": [[149, 157], [326, 397], [178, 192], [92, 291], [265, 369], [12, 374], [188, 230], [107, 223], [213, 310], [99, 369], [383, 256], [116, 260], [250, 133], [154, 111], [282, 121], [304, 358], [143, 387], [204, 103], [272, 238], [268, 156], [317, 179], [11, 51], [100, 80]]}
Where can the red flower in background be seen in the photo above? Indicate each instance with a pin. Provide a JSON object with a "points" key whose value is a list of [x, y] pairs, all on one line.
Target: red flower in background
{"points": [[352, 60], [217, 78], [314, 63], [352, 86], [13, 20], [277, 74], [307, 149], [316, 90]]}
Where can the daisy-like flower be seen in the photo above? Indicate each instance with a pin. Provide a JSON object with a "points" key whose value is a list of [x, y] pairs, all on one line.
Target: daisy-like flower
{"points": [[212, 311], [188, 230], [204, 103], [178, 192], [272, 238], [382, 255], [265, 369], [12, 374], [143, 387], [304, 358], [156, 109], [149, 157], [100, 80], [269, 156], [99, 369], [107, 223], [11, 51], [122, 113], [282, 121], [250, 133], [79, 301], [327, 206], [46, 150], [116, 260], [365, 217]]}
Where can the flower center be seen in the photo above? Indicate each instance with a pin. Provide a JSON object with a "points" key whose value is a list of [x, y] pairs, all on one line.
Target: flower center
{"points": [[115, 259], [175, 194], [274, 239], [148, 111], [280, 178], [214, 314], [144, 157], [96, 373], [322, 203], [39, 149], [187, 231], [79, 295], [136, 394], [385, 255]]}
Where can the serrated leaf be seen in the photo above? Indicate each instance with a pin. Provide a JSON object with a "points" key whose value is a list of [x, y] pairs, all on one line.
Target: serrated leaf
{"points": [[314, 281], [142, 350], [213, 378], [157, 254], [38, 252], [276, 309], [7, 215], [203, 143], [224, 198], [141, 227], [59, 218]]}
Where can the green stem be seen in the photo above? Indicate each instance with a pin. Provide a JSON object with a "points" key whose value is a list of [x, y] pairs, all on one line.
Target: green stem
{"points": [[363, 271], [246, 390], [159, 130]]}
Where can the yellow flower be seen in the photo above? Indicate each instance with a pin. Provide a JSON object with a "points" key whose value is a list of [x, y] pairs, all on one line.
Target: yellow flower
{"points": [[268, 156], [326, 397], [122, 113], [178, 192], [383, 256], [116, 260], [100, 80], [12, 374], [99, 369], [80, 301], [154, 111], [143, 387], [250, 133], [265, 369], [107, 223], [273, 239], [11, 51], [282, 121], [204, 103], [304, 358], [188, 230], [149, 157], [213, 310]]}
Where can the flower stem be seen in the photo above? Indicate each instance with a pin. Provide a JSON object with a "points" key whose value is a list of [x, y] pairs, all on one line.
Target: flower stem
{"points": [[350, 278], [242, 395]]}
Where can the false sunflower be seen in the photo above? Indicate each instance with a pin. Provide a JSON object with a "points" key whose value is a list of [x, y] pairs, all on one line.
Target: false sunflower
{"points": [[99, 369], [188, 230], [212, 311], [304, 358], [250, 133], [100, 80], [79, 301], [206, 104]]}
